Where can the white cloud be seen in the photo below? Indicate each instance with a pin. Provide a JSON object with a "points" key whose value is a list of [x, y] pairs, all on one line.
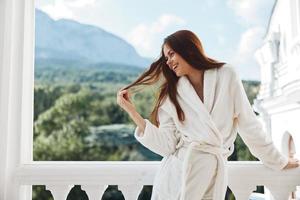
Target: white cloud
{"points": [[79, 3], [254, 15], [58, 11], [164, 22], [65, 8], [250, 40], [250, 11], [144, 36]]}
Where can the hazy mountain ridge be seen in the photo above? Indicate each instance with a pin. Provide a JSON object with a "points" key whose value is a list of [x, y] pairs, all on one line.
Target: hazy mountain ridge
{"points": [[66, 39]]}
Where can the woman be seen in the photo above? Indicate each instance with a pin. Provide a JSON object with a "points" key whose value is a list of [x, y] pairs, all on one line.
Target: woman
{"points": [[200, 106]]}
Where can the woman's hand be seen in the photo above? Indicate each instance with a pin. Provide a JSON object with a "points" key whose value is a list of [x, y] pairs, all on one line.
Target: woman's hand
{"points": [[123, 100], [293, 163]]}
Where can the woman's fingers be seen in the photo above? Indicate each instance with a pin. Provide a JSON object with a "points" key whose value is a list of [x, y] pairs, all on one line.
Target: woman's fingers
{"points": [[121, 94], [123, 100], [124, 94], [293, 163], [129, 95], [120, 97], [297, 162]]}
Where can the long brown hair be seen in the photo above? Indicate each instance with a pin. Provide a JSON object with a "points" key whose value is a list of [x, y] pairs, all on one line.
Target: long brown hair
{"points": [[189, 47]]}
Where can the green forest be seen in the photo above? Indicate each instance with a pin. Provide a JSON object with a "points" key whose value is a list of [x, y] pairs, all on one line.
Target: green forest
{"points": [[76, 118]]}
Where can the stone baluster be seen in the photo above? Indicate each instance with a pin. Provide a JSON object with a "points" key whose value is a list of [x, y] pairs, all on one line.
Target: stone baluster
{"points": [[59, 192], [242, 191], [131, 192], [282, 191], [94, 192]]}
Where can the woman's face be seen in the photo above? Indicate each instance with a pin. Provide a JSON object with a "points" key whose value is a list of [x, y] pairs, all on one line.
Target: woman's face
{"points": [[176, 63]]}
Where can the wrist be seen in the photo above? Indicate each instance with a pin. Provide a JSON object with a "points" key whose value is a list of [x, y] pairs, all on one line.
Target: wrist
{"points": [[131, 111]]}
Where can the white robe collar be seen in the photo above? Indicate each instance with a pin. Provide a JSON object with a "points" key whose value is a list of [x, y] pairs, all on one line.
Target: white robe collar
{"points": [[188, 93]]}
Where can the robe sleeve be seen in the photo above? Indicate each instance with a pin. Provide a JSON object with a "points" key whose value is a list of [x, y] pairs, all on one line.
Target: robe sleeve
{"points": [[161, 140], [251, 131]]}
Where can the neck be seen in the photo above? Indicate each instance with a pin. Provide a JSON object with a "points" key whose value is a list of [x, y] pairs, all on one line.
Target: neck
{"points": [[196, 78]]}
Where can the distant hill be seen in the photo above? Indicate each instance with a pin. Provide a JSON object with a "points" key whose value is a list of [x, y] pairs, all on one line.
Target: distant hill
{"points": [[67, 41], [51, 72]]}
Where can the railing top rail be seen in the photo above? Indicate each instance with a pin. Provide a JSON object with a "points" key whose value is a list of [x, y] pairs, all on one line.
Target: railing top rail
{"points": [[143, 172]]}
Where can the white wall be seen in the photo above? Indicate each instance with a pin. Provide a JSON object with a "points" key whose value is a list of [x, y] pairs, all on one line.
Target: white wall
{"points": [[2, 135], [16, 94]]}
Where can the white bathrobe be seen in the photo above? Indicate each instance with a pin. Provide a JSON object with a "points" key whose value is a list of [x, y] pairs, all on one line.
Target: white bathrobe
{"points": [[209, 128]]}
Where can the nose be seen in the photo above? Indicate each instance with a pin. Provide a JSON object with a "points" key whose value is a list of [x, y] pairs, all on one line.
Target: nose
{"points": [[169, 62]]}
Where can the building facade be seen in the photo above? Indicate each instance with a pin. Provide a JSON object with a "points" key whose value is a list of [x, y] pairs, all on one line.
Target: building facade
{"points": [[279, 97]]}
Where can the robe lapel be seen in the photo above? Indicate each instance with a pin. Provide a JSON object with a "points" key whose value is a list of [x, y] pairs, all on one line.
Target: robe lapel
{"points": [[189, 95], [210, 84]]}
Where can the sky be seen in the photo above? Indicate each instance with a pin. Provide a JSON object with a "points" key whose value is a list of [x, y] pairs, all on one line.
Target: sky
{"points": [[230, 30]]}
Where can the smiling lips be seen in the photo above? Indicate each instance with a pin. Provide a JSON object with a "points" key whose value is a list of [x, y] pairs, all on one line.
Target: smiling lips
{"points": [[174, 67]]}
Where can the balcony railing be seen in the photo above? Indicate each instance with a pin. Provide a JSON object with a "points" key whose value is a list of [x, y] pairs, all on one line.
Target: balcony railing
{"points": [[94, 178]]}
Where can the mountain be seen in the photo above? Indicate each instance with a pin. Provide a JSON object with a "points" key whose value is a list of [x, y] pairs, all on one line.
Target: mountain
{"points": [[70, 41]]}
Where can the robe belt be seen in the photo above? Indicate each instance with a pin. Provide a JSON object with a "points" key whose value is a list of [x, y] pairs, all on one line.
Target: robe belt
{"points": [[221, 154]]}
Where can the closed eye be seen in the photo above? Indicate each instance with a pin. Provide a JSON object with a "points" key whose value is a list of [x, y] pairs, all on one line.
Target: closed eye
{"points": [[171, 54]]}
